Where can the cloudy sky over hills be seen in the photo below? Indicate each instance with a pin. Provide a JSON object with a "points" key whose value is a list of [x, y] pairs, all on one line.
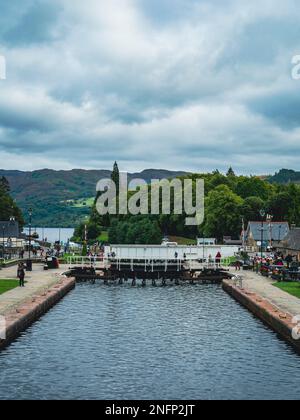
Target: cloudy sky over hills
{"points": [[176, 84]]}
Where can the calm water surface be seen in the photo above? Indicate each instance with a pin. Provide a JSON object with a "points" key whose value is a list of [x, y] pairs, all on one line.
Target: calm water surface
{"points": [[53, 234], [118, 342]]}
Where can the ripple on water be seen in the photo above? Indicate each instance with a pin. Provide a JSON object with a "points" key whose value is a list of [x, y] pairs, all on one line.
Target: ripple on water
{"points": [[186, 342]]}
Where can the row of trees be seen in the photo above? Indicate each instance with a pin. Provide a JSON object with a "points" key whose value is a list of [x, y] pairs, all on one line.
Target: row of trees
{"points": [[135, 230], [229, 199]]}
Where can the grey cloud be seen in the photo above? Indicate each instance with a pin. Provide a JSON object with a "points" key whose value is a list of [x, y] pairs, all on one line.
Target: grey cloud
{"points": [[163, 11], [281, 107], [174, 83], [35, 25]]}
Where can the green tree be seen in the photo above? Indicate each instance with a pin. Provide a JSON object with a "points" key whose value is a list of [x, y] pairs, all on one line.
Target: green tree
{"points": [[104, 220], [278, 206], [4, 185], [294, 207], [84, 249], [140, 230], [285, 204], [223, 213], [115, 176], [251, 209], [93, 231], [213, 181], [8, 207], [252, 187], [230, 172]]}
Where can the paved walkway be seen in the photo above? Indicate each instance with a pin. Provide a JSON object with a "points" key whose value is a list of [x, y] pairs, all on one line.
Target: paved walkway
{"points": [[264, 287], [37, 282]]}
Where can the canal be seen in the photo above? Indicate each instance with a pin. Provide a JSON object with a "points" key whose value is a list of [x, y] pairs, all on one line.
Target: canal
{"points": [[119, 342]]}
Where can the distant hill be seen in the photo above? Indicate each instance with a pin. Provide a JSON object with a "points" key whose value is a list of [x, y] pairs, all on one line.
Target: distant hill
{"points": [[285, 176], [62, 198]]}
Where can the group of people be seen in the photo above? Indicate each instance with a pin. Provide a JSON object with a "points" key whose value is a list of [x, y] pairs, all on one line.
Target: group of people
{"points": [[273, 259], [34, 251], [269, 260]]}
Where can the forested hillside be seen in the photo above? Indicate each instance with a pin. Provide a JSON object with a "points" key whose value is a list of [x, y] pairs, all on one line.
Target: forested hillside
{"points": [[62, 198], [65, 199]]}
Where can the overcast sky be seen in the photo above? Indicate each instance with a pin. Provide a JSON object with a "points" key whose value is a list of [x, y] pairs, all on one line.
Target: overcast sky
{"points": [[178, 84]]}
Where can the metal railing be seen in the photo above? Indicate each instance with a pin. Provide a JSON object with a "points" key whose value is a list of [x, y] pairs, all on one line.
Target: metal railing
{"points": [[79, 261], [147, 265]]}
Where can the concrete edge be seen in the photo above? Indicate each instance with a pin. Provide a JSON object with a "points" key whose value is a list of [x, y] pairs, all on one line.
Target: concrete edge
{"points": [[40, 291], [31, 310], [279, 321]]}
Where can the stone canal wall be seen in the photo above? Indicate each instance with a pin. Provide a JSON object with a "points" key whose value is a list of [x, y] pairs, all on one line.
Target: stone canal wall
{"points": [[278, 320], [19, 319]]}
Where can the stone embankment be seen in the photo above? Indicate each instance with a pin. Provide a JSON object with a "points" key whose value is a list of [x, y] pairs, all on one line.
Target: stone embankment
{"points": [[21, 307], [277, 309]]}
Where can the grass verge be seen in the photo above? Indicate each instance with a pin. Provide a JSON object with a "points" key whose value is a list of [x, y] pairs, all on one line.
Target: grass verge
{"points": [[182, 241], [103, 237], [293, 288], [7, 285]]}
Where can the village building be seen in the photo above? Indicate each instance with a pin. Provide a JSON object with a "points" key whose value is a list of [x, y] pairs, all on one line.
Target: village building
{"points": [[10, 237], [270, 234], [291, 244]]}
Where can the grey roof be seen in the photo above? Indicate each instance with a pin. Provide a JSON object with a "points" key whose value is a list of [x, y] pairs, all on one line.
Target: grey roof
{"points": [[292, 241], [279, 230], [233, 242], [9, 229]]}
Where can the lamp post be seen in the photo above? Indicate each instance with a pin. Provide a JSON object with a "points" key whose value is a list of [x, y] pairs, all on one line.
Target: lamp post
{"points": [[29, 262], [244, 236], [270, 219], [280, 227], [262, 213], [3, 241]]}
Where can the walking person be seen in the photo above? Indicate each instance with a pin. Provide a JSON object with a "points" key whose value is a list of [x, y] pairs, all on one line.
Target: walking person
{"points": [[238, 265], [21, 274], [218, 259]]}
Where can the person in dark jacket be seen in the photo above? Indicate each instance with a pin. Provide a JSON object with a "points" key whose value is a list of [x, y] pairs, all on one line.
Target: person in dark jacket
{"points": [[218, 259], [21, 274]]}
